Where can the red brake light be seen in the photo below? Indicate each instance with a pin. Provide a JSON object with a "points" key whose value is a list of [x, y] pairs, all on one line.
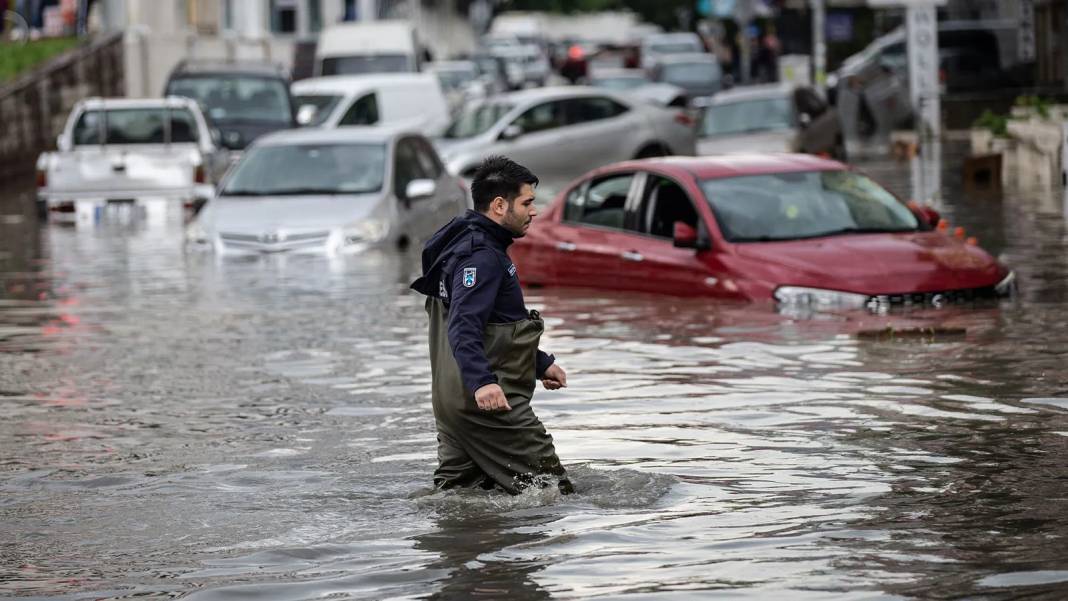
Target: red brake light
{"points": [[199, 176], [42, 178], [575, 52], [683, 119]]}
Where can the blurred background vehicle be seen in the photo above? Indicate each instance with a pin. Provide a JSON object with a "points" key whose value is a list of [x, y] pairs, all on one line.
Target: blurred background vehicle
{"points": [[459, 81], [244, 99], [122, 150], [795, 229], [563, 131], [415, 99], [699, 74], [619, 80], [372, 47], [769, 118], [492, 72], [655, 47], [330, 191]]}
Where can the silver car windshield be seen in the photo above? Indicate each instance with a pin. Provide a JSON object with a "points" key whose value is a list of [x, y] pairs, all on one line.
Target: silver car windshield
{"points": [[808, 204], [306, 169], [229, 98], [452, 79], [747, 116], [477, 120], [675, 47], [691, 72]]}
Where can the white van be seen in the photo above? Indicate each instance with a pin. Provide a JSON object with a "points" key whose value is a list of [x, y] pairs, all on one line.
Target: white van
{"points": [[370, 47], [413, 98]]}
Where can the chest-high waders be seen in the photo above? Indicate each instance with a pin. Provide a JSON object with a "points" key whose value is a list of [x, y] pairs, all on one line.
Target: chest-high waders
{"points": [[483, 448]]}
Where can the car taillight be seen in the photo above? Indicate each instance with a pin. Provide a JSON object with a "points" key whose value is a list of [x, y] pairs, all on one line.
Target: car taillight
{"points": [[199, 176], [42, 178], [575, 53], [683, 119]]}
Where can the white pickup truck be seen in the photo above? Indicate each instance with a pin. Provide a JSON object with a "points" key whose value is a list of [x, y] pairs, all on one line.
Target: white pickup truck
{"points": [[125, 150]]}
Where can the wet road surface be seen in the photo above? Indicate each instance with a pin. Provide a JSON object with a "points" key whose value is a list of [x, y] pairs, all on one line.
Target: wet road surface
{"points": [[181, 426]]}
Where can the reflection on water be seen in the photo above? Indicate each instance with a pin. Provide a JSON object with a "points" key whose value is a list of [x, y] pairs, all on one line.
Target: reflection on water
{"points": [[183, 425]]}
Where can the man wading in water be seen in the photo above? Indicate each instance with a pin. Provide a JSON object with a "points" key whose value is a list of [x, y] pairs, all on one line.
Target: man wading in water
{"points": [[484, 354]]}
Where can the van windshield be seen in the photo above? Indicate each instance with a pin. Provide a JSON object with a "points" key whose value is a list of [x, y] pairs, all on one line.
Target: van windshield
{"points": [[228, 98], [370, 63]]}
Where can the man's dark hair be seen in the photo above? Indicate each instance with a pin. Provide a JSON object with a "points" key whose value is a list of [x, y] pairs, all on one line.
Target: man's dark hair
{"points": [[499, 176]]}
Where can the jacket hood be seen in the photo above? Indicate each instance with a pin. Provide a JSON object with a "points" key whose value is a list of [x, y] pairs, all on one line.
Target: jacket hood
{"points": [[449, 241]]}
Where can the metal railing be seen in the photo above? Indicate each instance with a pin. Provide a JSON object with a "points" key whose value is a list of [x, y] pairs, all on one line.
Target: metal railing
{"points": [[34, 107]]}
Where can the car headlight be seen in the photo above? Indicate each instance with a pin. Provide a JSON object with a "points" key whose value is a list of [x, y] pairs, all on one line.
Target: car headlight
{"points": [[364, 232], [196, 235], [1007, 285], [818, 297]]}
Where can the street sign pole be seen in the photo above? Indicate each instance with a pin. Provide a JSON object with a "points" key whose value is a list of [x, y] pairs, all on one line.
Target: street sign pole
{"points": [[819, 45], [922, 30], [924, 88]]}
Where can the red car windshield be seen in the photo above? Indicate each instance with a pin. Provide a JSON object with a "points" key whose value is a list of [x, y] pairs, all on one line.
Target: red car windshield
{"points": [[808, 204]]}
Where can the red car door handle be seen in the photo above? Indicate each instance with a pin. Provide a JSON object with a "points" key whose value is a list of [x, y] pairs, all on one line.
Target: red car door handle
{"points": [[566, 246], [632, 256]]}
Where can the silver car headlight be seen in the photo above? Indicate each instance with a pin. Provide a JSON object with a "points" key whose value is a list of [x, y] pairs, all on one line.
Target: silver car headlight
{"points": [[818, 297], [367, 231], [1007, 285], [197, 236]]}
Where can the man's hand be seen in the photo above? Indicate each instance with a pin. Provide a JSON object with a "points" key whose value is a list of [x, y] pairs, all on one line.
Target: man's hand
{"points": [[491, 398], [554, 378]]}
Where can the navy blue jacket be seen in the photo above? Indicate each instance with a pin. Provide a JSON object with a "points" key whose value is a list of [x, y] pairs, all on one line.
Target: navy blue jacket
{"points": [[466, 264]]}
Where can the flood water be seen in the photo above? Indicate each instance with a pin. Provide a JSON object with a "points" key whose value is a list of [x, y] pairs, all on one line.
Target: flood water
{"points": [[181, 426]]}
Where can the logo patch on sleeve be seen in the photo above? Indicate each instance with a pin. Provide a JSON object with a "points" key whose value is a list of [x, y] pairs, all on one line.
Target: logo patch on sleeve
{"points": [[511, 269], [469, 277]]}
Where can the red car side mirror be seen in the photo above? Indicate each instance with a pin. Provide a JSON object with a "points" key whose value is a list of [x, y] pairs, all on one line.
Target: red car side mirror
{"points": [[685, 236], [925, 213]]}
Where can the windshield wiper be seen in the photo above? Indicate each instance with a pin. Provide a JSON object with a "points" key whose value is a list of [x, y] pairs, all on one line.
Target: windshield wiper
{"points": [[838, 232], [241, 193], [862, 230]]}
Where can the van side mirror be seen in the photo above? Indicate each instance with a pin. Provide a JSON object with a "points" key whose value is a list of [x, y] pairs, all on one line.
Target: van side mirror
{"points": [[511, 132], [685, 236], [62, 144], [305, 114]]}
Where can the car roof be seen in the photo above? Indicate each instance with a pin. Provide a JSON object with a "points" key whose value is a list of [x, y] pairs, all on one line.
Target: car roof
{"points": [[242, 67], [670, 36], [735, 165], [686, 57], [457, 65], [596, 73], [553, 93], [757, 92], [355, 83], [314, 135], [138, 103]]}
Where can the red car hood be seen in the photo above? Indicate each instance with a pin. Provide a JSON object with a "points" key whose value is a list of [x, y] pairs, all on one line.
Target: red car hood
{"points": [[875, 263]]}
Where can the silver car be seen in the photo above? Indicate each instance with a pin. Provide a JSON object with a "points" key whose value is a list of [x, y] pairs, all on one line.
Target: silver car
{"points": [[769, 118], [564, 131], [330, 192]]}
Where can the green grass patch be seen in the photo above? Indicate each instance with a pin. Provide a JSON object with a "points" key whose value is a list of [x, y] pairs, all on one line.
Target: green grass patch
{"points": [[15, 59]]}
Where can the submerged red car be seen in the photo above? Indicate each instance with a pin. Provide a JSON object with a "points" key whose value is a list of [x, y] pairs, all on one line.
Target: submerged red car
{"points": [[792, 228]]}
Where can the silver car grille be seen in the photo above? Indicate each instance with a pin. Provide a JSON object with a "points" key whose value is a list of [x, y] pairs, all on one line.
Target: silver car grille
{"points": [[274, 241]]}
